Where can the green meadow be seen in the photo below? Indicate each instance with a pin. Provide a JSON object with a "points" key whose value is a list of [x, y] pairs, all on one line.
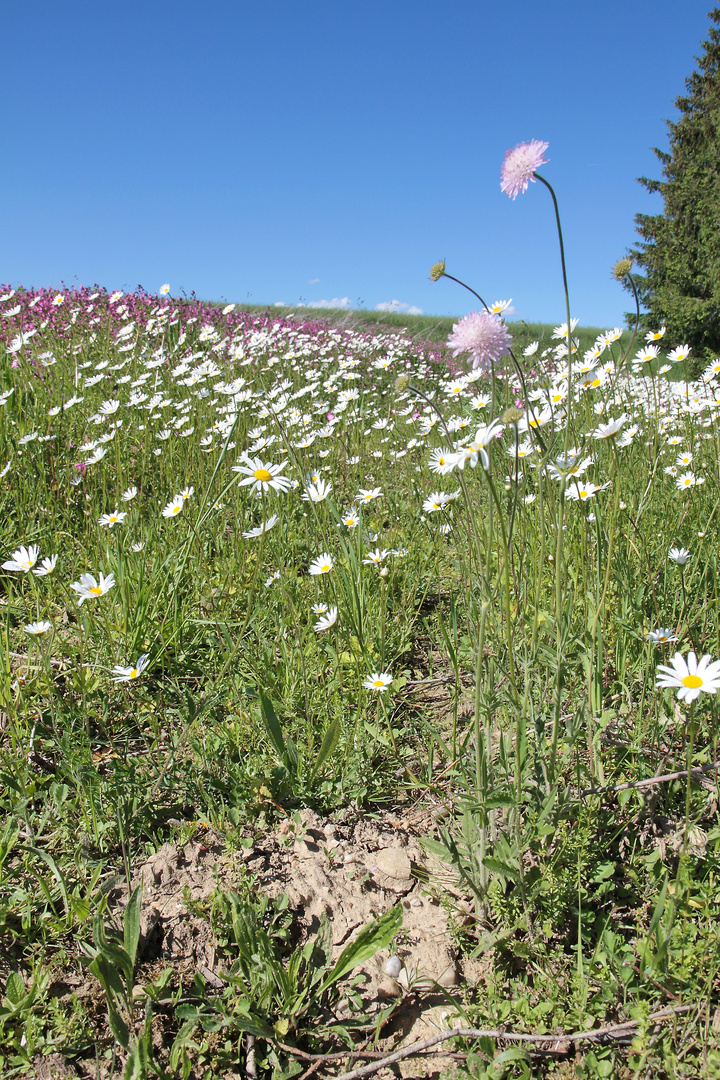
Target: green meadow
{"points": [[260, 564]]}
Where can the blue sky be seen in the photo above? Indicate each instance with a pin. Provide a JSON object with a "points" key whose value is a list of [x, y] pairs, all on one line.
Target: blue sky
{"points": [[279, 151]]}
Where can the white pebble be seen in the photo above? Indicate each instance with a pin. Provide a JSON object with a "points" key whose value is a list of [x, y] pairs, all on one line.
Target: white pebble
{"points": [[393, 967]]}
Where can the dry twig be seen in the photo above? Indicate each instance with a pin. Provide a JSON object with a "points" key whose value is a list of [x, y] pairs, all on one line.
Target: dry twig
{"points": [[614, 1031]]}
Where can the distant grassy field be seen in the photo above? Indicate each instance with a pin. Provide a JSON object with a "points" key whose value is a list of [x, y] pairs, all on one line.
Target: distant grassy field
{"points": [[419, 327]]}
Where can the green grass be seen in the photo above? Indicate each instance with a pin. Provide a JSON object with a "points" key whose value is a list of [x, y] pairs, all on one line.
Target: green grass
{"points": [[533, 605], [435, 328]]}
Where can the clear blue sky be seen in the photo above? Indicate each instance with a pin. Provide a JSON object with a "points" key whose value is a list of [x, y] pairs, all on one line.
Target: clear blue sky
{"points": [[282, 150]]}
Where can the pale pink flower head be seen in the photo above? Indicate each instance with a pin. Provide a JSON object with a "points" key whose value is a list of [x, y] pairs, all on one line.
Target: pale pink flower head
{"points": [[520, 165], [483, 335]]}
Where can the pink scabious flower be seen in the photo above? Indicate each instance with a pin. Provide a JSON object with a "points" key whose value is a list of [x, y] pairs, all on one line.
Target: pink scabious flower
{"points": [[483, 335], [520, 165]]}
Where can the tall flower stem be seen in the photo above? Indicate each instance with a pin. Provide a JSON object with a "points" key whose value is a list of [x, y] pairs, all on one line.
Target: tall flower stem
{"points": [[561, 506]]}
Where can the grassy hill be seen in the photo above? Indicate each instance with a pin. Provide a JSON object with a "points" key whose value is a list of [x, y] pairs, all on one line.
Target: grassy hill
{"points": [[419, 327]]}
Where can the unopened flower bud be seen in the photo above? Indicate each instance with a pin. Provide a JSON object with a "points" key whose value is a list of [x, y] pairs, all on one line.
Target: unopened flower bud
{"points": [[437, 271], [622, 268], [401, 383], [512, 415]]}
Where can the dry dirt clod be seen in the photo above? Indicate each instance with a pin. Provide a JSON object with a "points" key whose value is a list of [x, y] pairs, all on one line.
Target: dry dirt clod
{"points": [[393, 862]]}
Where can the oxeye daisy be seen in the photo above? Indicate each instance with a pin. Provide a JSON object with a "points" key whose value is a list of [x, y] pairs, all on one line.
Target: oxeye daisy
{"points": [[129, 674], [605, 431], [129, 494], [23, 559], [174, 508], [88, 588], [266, 526], [316, 491], [47, 565], [679, 555], [260, 476], [691, 676], [326, 621], [655, 335], [662, 635], [443, 461], [37, 628], [438, 500], [373, 558], [351, 521], [378, 681], [681, 353], [322, 565], [368, 494], [112, 519], [581, 492]]}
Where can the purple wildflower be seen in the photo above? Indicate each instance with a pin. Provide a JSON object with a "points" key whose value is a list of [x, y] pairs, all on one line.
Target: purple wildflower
{"points": [[483, 335], [520, 165]]}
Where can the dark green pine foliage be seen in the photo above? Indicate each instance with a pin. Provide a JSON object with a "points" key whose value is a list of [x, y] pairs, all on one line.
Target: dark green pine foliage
{"points": [[680, 252]]}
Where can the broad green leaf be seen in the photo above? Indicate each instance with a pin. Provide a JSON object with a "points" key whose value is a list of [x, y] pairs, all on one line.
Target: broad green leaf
{"points": [[274, 730], [14, 988], [118, 1026], [496, 866], [131, 925], [330, 741], [376, 935]]}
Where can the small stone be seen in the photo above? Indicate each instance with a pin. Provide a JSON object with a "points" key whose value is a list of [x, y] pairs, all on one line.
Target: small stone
{"points": [[416, 902], [448, 977], [393, 862], [393, 967], [389, 989], [350, 859]]}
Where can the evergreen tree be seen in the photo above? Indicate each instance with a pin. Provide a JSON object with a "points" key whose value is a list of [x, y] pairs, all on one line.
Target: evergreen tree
{"points": [[680, 252]]}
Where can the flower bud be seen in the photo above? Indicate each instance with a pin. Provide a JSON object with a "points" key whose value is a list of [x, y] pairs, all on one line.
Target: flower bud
{"points": [[401, 383], [512, 415], [622, 268], [437, 271]]}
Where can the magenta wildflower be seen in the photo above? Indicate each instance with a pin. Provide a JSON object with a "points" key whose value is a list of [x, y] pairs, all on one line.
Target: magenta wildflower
{"points": [[483, 335], [520, 165]]}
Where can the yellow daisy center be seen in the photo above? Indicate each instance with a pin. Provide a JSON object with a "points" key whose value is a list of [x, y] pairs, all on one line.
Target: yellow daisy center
{"points": [[96, 590], [176, 510], [378, 682], [262, 475], [134, 673], [692, 681], [325, 569]]}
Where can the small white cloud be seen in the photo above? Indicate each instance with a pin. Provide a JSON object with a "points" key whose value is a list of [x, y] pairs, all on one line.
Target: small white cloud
{"points": [[342, 302], [279, 303], [313, 281], [398, 307]]}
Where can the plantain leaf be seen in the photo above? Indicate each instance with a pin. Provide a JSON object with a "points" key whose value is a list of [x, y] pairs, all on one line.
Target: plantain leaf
{"points": [[131, 925], [376, 935], [330, 741], [287, 754]]}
